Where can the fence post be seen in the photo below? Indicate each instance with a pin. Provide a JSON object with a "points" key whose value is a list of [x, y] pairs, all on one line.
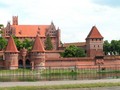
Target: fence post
{"points": [[75, 73], [23, 74], [49, 73], [99, 71]]}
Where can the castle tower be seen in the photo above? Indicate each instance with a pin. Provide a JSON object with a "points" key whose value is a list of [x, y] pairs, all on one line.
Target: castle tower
{"points": [[94, 43], [58, 38], [11, 55], [38, 54], [15, 20]]}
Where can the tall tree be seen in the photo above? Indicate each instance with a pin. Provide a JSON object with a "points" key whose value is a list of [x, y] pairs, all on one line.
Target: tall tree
{"points": [[1, 26], [106, 47], [3, 43], [48, 43], [73, 51], [118, 47]]}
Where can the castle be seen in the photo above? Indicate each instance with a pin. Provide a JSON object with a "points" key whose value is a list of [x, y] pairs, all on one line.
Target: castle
{"points": [[30, 31], [38, 57]]}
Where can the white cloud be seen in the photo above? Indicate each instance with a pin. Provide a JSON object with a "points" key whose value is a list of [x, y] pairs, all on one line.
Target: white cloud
{"points": [[75, 18]]}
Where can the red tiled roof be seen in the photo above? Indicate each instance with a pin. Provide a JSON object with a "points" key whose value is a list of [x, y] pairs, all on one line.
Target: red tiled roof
{"points": [[38, 46], [30, 30], [94, 33], [11, 47], [79, 44]]}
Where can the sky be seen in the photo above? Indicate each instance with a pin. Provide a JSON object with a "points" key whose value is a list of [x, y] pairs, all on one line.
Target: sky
{"points": [[75, 18]]}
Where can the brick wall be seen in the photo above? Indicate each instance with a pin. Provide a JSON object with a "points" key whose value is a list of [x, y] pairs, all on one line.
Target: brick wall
{"points": [[80, 61], [52, 54], [69, 61]]}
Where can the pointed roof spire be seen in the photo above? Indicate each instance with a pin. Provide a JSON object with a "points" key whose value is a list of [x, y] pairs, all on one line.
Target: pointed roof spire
{"points": [[11, 47], [58, 28], [38, 46], [52, 25], [94, 33]]}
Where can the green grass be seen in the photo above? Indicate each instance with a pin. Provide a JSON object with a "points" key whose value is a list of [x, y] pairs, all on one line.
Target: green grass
{"points": [[56, 74], [66, 86], [109, 71]]}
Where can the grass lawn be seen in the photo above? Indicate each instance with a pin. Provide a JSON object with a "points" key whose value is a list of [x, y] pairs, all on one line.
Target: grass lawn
{"points": [[56, 74], [66, 86]]}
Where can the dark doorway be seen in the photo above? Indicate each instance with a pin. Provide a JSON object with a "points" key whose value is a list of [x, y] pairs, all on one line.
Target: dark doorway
{"points": [[20, 63], [27, 62]]}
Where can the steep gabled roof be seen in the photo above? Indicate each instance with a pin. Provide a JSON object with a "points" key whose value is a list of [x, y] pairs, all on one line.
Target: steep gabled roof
{"points": [[38, 46], [94, 33], [11, 47], [30, 30]]}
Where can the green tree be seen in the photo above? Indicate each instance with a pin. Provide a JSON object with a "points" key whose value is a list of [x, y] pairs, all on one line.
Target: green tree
{"points": [[27, 44], [106, 47], [114, 47], [18, 43], [118, 47], [73, 51], [3, 43], [48, 43], [1, 26]]}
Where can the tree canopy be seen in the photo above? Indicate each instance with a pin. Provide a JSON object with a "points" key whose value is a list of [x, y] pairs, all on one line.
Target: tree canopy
{"points": [[112, 48], [48, 43], [27, 44], [3, 43], [23, 44], [73, 51]]}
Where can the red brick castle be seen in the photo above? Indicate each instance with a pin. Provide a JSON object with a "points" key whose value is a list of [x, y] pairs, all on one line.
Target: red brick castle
{"points": [[38, 57]]}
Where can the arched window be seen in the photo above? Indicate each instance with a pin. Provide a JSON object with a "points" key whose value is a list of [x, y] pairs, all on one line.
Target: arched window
{"points": [[20, 63], [27, 62]]}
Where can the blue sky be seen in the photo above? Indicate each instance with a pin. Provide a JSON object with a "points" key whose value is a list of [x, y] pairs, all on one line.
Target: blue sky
{"points": [[111, 3], [75, 18]]}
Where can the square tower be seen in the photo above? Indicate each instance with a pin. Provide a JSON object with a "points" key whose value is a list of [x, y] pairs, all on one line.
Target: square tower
{"points": [[94, 43]]}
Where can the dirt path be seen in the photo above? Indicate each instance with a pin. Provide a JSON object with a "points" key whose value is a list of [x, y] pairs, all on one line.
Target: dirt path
{"points": [[99, 88], [42, 83]]}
